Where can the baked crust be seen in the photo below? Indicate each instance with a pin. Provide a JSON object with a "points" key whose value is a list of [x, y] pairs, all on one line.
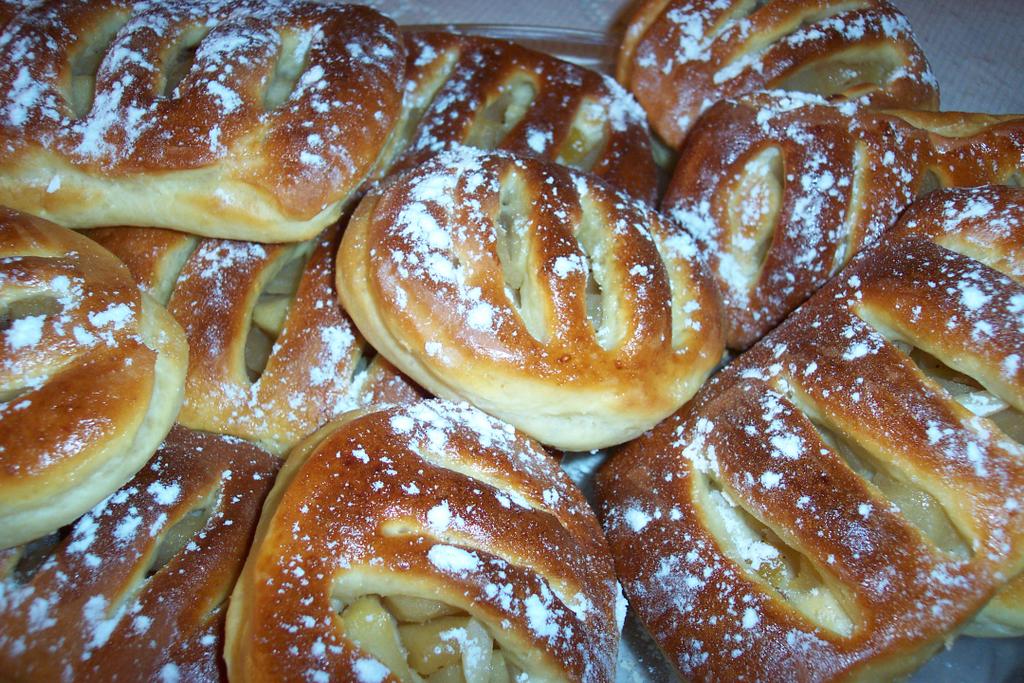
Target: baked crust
{"points": [[280, 112], [780, 190], [540, 295], [493, 94], [434, 501], [136, 587], [825, 508], [91, 376], [679, 57], [313, 366]]}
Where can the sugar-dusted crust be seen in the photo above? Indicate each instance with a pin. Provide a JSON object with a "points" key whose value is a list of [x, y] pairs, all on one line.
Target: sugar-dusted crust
{"points": [[538, 294], [99, 605], [318, 366], [282, 112], [91, 376], [679, 57], [832, 439], [493, 94], [436, 501], [780, 190]]}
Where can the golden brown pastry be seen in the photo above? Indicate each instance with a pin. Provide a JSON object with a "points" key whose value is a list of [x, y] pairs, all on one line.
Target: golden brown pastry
{"points": [[538, 294], [229, 118], [428, 542], [8, 9], [492, 94], [273, 356], [780, 190], [135, 589], [679, 57], [91, 376], [847, 495], [986, 224]]}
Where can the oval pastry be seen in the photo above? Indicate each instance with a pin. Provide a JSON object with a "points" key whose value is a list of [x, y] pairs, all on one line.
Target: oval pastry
{"points": [[91, 376], [492, 94], [679, 57], [424, 541], [136, 587], [847, 495], [780, 190], [273, 356], [540, 295], [238, 118]]}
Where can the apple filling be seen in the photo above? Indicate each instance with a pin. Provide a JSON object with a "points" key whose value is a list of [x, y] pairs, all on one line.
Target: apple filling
{"points": [[426, 640]]}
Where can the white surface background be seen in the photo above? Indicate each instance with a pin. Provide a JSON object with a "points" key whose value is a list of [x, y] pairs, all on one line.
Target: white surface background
{"points": [[976, 48]]}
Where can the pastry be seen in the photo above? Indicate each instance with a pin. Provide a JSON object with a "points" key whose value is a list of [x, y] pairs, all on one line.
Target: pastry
{"points": [[679, 57], [538, 294], [8, 9], [228, 118], [492, 94], [135, 589], [91, 376], [830, 505], [780, 190], [428, 542], [986, 224], [273, 356]]}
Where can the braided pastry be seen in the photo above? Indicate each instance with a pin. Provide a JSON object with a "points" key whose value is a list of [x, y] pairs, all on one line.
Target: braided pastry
{"points": [[273, 356], [781, 190], [841, 500], [246, 119], [538, 294], [136, 588], [679, 57], [493, 94], [91, 376], [426, 540]]}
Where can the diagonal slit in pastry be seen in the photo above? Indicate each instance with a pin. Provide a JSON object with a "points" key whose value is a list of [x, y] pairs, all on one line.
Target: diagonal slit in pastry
{"points": [[513, 233], [84, 61], [856, 71], [984, 251], [919, 507], [415, 103], [13, 309], [931, 180], [30, 308], [177, 536], [753, 201], [271, 309], [587, 138], [895, 484], [604, 309], [420, 639], [858, 201], [178, 58], [33, 556], [734, 15], [502, 113], [492, 481], [968, 392], [770, 561], [761, 41], [1001, 411], [292, 60], [361, 367]]}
